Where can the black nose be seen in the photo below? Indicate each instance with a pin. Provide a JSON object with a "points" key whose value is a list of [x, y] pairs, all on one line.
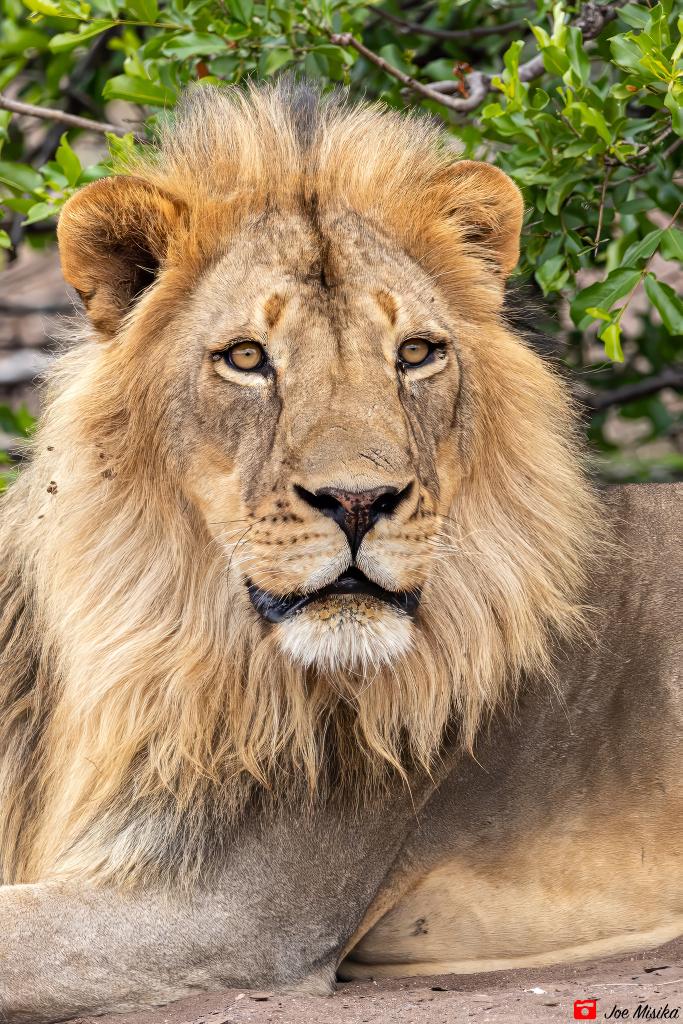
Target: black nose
{"points": [[355, 512]]}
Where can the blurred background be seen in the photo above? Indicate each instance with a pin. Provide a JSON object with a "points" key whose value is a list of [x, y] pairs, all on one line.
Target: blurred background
{"points": [[581, 103]]}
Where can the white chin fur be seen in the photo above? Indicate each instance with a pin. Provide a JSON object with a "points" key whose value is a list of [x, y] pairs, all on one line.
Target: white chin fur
{"points": [[345, 637]]}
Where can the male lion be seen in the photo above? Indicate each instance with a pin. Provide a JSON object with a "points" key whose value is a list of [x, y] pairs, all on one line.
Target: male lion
{"points": [[313, 646]]}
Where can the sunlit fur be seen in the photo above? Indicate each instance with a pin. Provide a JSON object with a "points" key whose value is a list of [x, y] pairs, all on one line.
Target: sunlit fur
{"points": [[142, 704]]}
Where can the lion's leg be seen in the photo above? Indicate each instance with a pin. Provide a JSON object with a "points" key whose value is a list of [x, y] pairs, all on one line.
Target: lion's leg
{"points": [[66, 951]]}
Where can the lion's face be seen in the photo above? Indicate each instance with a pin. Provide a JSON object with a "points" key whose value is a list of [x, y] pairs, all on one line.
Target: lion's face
{"points": [[317, 429]]}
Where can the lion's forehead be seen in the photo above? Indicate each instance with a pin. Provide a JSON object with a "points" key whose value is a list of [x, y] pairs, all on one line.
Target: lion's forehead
{"points": [[340, 263]]}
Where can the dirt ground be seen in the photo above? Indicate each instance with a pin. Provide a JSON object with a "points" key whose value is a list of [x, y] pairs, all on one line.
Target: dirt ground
{"points": [[534, 995]]}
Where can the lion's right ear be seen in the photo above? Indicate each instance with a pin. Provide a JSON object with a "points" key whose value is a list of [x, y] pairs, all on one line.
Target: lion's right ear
{"points": [[113, 237]]}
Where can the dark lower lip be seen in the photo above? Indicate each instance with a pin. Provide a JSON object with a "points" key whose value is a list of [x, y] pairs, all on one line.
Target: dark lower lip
{"points": [[274, 608]]}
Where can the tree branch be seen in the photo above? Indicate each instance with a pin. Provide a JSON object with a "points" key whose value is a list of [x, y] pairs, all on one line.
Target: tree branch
{"points": [[50, 114], [48, 309], [670, 377], [22, 366], [479, 83], [477, 32]]}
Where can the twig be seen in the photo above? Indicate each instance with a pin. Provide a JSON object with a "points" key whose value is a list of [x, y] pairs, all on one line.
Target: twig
{"points": [[670, 377], [647, 266], [48, 309], [479, 83], [477, 32], [50, 114], [650, 167], [601, 210], [648, 147]]}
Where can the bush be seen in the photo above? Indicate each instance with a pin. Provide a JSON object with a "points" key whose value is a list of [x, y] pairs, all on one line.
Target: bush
{"points": [[581, 104]]}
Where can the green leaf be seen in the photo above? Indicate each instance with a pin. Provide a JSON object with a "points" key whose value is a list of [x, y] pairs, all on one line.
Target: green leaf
{"points": [[334, 53], [555, 60], [196, 44], [592, 118], [635, 205], [643, 249], [598, 313], [552, 274], [540, 99], [16, 40], [40, 211], [242, 10], [143, 10], [560, 189], [511, 58], [20, 176], [625, 53], [579, 66], [672, 244], [667, 303], [65, 41], [636, 17], [10, 71], [603, 293], [17, 204], [25, 422], [277, 58], [19, 421], [675, 108], [68, 161], [610, 334], [121, 148], [51, 8], [5, 240], [139, 90], [542, 37]]}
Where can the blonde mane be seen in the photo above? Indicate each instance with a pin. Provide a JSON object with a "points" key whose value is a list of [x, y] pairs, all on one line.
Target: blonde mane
{"points": [[142, 709]]}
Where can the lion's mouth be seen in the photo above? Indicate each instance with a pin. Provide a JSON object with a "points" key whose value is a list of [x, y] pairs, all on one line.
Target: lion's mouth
{"points": [[278, 608]]}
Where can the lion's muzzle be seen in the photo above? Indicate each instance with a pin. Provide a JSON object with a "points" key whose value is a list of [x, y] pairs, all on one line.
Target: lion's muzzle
{"points": [[352, 583]]}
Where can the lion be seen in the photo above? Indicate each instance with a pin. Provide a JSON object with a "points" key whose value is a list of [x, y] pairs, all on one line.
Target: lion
{"points": [[320, 654]]}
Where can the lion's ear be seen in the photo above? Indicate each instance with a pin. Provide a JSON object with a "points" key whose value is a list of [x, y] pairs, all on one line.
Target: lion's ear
{"points": [[113, 237], [488, 208]]}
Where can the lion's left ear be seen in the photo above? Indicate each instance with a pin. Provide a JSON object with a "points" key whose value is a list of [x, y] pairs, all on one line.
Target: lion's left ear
{"points": [[113, 237], [488, 208]]}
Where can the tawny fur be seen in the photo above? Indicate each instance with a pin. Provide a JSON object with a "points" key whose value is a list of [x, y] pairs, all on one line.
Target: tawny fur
{"points": [[139, 697]]}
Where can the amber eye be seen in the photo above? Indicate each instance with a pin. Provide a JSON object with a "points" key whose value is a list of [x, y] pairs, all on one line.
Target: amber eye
{"points": [[245, 355], [414, 351]]}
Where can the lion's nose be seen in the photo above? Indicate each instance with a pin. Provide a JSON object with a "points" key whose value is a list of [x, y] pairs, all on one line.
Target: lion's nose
{"points": [[356, 512]]}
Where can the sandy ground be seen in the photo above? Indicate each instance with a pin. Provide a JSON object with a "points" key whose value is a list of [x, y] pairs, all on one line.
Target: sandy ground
{"points": [[654, 978]]}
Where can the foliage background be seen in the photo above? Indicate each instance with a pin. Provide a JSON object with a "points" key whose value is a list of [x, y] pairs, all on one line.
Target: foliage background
{"points": [[581, 103]]}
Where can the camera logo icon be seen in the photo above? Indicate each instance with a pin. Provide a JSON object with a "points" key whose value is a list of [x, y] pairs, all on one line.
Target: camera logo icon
{"points": [[585, 1009]]}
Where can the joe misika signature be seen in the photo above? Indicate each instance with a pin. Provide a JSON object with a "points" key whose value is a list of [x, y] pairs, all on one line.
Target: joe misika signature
{"points": [[644, 1012]]}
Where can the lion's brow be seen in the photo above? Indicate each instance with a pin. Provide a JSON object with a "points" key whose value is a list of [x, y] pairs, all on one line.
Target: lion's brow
{"points": [[273, 309]]}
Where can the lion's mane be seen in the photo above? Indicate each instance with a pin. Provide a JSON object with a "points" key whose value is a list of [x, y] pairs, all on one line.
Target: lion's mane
{"points": [[140, 708]]}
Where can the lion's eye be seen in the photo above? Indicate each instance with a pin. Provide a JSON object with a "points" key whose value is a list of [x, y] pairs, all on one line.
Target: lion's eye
{"points": [[246, 355], [414, 351]]}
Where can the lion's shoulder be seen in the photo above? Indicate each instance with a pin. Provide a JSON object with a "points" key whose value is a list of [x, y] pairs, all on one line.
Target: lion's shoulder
{"points": [[646, 522]]}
